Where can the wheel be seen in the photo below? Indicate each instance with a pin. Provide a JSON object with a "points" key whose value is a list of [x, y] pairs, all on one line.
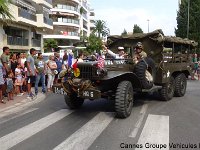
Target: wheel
{"points": [[73, 102], [180, 85], [167, 91], [145, 71], [124, 99]]}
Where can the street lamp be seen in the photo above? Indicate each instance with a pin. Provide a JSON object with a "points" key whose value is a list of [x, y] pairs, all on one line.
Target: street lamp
{"points": [[148, 25], [188, 21]]}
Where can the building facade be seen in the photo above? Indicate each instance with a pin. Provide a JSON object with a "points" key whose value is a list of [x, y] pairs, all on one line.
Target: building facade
{"points": [[71, 20], [31, 20]]}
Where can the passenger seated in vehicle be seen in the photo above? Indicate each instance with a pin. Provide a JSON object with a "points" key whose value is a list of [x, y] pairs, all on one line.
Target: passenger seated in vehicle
{"points": [[120, 55], [139, 53]]}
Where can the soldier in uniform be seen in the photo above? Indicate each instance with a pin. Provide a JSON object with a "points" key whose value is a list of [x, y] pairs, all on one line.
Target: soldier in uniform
{"points": [[139, 53]]}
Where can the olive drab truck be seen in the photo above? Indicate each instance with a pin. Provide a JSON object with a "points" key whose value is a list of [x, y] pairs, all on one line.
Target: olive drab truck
{"points": [[164, 70]]}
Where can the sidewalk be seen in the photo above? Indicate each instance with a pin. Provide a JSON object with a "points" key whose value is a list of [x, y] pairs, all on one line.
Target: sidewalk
{"points": [[21, 100]]}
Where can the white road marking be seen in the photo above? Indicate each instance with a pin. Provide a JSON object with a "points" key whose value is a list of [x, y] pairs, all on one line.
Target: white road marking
{"points": [[23, 133], [23, 105], [86, 135], [155, 131], [19, 115], [139, 122]]}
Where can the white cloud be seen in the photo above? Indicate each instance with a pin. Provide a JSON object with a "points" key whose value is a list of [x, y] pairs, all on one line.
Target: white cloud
{"points": [[118, 19]]}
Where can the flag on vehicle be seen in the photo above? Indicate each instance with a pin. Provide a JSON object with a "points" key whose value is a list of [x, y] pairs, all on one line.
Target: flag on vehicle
{"points": [[76, 69], [74, 66], [101, 62]]}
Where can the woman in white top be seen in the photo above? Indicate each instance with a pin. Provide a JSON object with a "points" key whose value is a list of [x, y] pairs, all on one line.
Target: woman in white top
{"points": [[51, 67]]}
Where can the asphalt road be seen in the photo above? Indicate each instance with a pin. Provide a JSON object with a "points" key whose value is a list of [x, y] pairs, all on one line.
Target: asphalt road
{"points": [[153, 123]]}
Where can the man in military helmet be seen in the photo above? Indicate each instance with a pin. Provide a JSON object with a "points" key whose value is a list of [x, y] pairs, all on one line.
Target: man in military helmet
{"points": [[139, 53]]}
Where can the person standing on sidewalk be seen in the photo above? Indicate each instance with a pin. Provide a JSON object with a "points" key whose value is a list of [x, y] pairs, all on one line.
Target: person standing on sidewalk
{"points": [[40, 71], [6, 64], [19, 80], [1, 83], [10, 85], [30, 72], [59, 63], [52, 66]]}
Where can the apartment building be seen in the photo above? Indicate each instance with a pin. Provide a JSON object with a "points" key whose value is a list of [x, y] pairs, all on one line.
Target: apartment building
{"points": [[31, 21], [92, 20], [71, 19]]}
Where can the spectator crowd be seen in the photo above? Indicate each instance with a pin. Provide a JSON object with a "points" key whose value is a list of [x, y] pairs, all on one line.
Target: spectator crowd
{"points": [[19, 71]]}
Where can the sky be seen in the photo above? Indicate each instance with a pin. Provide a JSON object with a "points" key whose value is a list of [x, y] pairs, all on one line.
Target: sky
{"points": [[123, 14]]}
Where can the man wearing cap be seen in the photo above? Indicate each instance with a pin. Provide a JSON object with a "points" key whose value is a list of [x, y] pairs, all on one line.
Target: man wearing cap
{"points": [[120, 54]]}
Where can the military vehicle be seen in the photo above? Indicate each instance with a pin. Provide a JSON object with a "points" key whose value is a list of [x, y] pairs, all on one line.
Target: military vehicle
{"points": [[168, 64]]}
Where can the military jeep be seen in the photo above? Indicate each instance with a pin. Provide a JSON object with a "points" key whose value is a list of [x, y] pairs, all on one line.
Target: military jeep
{"points": [[167, 64]]}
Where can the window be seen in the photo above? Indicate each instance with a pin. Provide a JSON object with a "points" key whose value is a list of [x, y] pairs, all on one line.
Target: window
{"points": [[60, 19], [59, 6]]}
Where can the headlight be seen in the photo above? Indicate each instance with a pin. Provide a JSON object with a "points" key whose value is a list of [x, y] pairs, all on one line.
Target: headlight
{"points": [[98, 71]]}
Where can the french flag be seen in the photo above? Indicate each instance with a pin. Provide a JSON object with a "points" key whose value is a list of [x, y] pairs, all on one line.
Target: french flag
{"points": [[70, 59]]}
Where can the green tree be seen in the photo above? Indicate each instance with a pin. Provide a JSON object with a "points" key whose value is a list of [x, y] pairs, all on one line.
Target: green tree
{"points": [[124, 32], [4, 9], [49, 44], [94, 43], [194, 20], [137, 29], [101, 29]]}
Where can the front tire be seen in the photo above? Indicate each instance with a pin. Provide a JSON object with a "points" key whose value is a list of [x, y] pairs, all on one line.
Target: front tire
{"points": [[180, 85], [167, 91], [124, 99], [73, 102]]}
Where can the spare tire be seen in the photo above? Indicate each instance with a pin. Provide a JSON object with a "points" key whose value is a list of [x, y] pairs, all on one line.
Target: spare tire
{"points": [[145, 71]]}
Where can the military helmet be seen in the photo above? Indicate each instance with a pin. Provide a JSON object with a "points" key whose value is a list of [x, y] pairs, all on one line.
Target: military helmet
{"points": [[139, 45]]}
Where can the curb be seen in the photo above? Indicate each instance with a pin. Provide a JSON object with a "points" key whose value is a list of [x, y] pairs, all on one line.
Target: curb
{"points": [[23, 104]]}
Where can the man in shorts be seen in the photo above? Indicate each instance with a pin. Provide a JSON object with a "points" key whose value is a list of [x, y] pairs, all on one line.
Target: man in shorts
{"points": [[30, 72], [6, 64]]}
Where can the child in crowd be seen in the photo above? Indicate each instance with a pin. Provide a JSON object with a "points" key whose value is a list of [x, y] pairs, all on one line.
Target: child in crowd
{"points": [[24, 75], [10, 86], [18, 80]]}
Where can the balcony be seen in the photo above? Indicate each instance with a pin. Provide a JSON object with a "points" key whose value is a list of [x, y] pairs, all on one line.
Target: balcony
{"points": [[26, 17], [64, 35], [85, 27], [85, 17], [65, 9], [44, 22], [67, 22], [25, 14], [48, 21], [47, 3], [20, 41], [36, 43], [85, 6]]}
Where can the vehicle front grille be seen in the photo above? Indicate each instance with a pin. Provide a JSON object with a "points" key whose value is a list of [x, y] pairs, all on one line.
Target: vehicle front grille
{"points": [[87, 72]]}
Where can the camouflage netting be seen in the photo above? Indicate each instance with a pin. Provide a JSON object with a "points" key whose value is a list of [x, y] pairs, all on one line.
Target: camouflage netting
{"points": [[156, 35]]}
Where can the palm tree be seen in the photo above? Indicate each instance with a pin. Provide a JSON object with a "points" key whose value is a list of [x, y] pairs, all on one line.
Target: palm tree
{"points": [[4, 9], [101, 29]]}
